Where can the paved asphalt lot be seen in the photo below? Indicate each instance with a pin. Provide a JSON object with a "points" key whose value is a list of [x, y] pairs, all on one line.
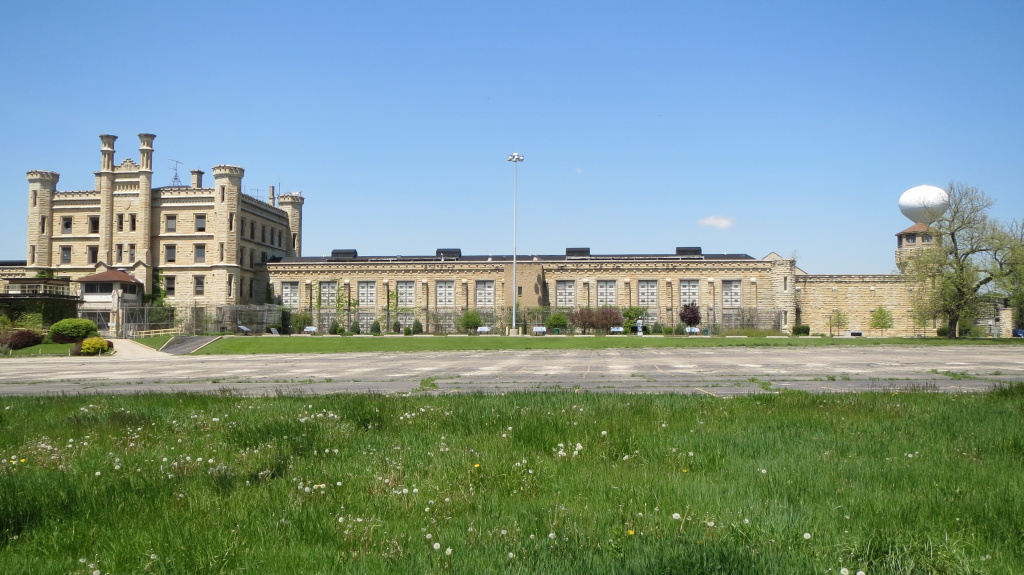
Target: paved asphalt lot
{"points": [[714, 371]]}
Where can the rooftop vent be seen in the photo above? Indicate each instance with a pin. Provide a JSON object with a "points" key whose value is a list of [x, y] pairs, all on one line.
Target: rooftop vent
{"points": [[688, 251], [449, 253], [344, 254], [577, 252]]}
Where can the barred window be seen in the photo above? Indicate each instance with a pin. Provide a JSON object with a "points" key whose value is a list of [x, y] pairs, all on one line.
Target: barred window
{"points": [[328, 293], [406, 294], [647, 293], [605, 292], [565, 293], [290, 294], [485, 293], [367, 294], [445, 293], [731, 293], [688, 292]]}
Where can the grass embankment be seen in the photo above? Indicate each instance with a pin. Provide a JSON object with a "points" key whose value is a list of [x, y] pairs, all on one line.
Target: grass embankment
{"points": [[43, 349], [325, 344], [155, 342], [524, 483]]}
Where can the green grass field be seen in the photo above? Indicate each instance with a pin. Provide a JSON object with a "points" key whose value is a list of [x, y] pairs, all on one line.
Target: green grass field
{"points": [[306, 344], [519, 483]]}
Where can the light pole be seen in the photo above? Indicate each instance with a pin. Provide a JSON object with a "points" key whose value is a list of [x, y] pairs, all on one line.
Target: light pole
{"points": [[515, 158]]}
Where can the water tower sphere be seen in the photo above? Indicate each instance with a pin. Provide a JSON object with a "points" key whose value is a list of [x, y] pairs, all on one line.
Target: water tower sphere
{"points": [[924, 204]]}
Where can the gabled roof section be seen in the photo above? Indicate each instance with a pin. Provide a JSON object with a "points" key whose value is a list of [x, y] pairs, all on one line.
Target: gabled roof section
{"points": [[109, 276], [915, 229]]}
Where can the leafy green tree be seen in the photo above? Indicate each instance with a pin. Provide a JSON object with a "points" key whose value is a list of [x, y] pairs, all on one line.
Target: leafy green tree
{"points": [[470, 320], [375, 327], [838, 320], [557, 320], [881, 319], [970, 255], [631, 314]]}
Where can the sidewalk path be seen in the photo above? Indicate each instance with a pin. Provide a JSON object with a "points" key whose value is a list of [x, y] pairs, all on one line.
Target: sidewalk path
{"points": [[128, 349]]}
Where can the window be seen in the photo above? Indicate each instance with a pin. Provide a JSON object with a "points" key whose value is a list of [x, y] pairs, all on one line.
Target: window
{"points": [[263, 257], [689, 292], [252, 283], [406, 318], [785, 283], [222, 194], [31, 254], [119, 250], [647, 296], [911, 239], [200, 222], [445, 293], [42, 224], [169, 285], [280, 238], [34, 198], [199, 285], [252, 257], [605, 292], [169, 253], [65, 224], [131, 252], [926, 238], [171, 223], [231, 285], [131, 222], [263, 234], [252, 230], [731, 293], [290, 294], [328, 294], [231, 222], [565, 293], [200, 253], [485, 293], [120, 222], [365, 321], [65, 254], [94, 224], [221, 252], [406, 294], [94, 254], [367, 294]]}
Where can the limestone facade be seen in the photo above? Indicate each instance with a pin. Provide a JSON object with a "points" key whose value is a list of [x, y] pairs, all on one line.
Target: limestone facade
{"points": [[201, 245]]}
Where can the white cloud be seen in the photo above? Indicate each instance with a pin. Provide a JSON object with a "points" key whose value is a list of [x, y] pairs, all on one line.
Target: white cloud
{"points": [[720, 222]]}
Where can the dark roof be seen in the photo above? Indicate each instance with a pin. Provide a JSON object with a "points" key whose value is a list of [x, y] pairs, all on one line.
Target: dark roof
{"points": [[109, 276], [915, 229], [508, 258]]}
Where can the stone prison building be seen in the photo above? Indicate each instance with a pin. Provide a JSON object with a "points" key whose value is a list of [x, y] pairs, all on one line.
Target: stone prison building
{"points": [[217, 253]]}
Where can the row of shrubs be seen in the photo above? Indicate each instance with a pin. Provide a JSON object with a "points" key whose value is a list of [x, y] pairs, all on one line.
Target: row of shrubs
{"points": [[81, 332]]}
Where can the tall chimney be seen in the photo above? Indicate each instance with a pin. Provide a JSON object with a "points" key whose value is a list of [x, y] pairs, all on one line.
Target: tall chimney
{"points": [[197, 179], [107, 152], [271, 198]]}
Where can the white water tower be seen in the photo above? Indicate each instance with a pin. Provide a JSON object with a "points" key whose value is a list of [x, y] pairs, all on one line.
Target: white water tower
{"points": [[924, 204]]}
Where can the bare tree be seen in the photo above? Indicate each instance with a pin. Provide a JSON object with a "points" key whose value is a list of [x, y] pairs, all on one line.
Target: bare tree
{"points": [[969, 252]]}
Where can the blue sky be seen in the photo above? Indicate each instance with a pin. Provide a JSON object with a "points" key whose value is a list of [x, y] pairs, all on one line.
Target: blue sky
{"points": [[741, 127]]}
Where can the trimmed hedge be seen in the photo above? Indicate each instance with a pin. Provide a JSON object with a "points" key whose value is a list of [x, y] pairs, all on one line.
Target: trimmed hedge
{"points": [[21, 338], [801, 330], [72, 330]]}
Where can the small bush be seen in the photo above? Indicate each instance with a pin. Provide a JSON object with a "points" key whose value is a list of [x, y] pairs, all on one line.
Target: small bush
{"points": [[396, 327], [417, 326], [32, 321], [22, 338], [657, 328], [334, 328], [375, 327], [407, 331], [4, 350], [557, 320], [92, 346], [72, 330], [354, 328], [801, 330], [470, 321], [680, 329], [942, 331]]}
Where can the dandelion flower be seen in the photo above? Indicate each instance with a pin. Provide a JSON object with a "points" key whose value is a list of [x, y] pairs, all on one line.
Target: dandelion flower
{"points": [[448, 551], [551, 535], [476, 465], [711, 523], [437, 546], [630, 532], [807, 535], [98, 474], [676, 516], [844, 571], [429, 536], [625, 457], [511, 555]]}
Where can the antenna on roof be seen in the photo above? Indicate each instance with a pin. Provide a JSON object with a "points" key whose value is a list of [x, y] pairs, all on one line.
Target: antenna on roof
{"points": [[176, 181]]}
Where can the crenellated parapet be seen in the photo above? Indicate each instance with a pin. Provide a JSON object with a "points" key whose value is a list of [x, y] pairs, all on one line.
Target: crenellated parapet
{"points": [[228, 170], [42, 177]]}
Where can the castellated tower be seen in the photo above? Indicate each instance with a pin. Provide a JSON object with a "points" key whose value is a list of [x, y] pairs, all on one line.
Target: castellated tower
{"points": [[41, 187], [292, 204]]}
